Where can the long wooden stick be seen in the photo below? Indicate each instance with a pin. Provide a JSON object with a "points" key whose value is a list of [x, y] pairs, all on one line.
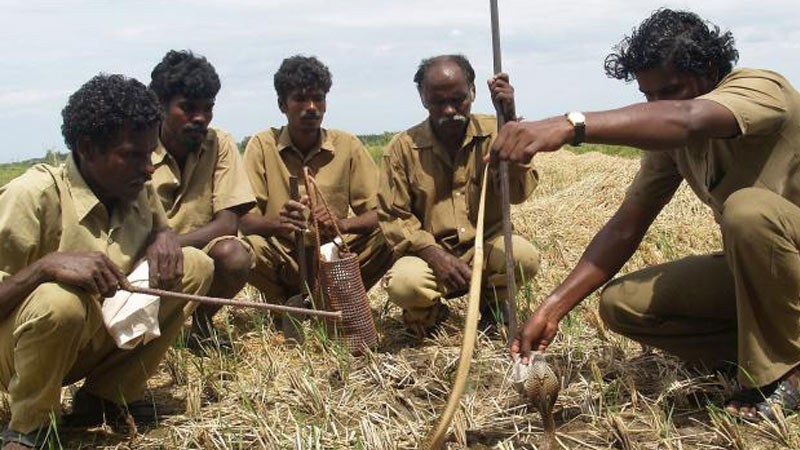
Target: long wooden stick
{"points": [[228, 302], [299, 239], [435, 438], [505, 194]]}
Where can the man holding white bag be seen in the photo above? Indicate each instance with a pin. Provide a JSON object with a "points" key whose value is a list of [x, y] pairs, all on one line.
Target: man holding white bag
{"points": [[69, 235]]}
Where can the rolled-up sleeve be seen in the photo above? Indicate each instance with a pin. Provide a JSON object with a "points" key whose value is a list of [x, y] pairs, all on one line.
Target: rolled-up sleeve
{"points": [[20, 226], [255, 167]]}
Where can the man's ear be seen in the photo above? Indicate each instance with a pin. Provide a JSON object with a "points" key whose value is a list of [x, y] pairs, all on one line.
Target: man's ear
{"points": [[282, 105], [472, 93], [84, 148], [422, 97]]}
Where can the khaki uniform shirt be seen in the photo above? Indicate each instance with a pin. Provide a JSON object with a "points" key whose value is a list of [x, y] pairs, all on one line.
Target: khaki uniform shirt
{"points": [[343, 169], [766, 154], [426, 198], [50, 209], [213, 180]]}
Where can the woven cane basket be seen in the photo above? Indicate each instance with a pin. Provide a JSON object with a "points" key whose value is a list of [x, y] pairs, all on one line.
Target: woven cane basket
{"points": [[342, 286], [344, 291]]}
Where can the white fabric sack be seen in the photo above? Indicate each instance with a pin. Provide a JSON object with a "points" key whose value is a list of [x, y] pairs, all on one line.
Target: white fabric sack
{"points": [[330, 251], [132, 318]]}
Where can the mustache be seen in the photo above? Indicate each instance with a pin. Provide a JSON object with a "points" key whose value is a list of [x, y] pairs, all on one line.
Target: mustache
{"points": [[196, 127], [311, 116], [457, 118]]}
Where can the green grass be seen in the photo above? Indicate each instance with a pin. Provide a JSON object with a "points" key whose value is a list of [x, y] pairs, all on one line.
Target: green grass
{"points": [[12, 170]]}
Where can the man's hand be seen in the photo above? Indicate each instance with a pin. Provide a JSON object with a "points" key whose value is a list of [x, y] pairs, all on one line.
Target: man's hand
{"points": [[93, 272], [453, 273], [520, 141], [537, 333], [165, 259], [292, 218], [503, 95], [327, 223]]}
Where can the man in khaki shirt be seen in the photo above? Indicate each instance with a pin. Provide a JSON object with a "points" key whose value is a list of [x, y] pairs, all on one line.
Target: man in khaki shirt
{"points": [[734, 137], [200, 179], [429, 198], [343, 169], [70, 235]]}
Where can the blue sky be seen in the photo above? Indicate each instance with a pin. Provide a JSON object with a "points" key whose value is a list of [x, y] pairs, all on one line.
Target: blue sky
{"points": [[553, 50]]}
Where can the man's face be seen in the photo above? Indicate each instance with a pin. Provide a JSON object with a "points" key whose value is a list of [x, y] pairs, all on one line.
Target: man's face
{"points": [[448, 96], [187, 119], [304, 109], [668, 84], [117, 171]]}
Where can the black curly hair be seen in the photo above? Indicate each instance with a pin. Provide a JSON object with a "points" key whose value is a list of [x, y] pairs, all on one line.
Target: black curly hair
{"points": [[103, 105], [460, 60], [184, 73], [301, 72], [681, 40]]}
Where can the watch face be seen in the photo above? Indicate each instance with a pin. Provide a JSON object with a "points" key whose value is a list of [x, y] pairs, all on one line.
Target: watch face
{"points": [[576, 117]]}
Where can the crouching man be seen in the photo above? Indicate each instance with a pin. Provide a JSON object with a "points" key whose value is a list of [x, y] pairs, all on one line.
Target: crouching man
{"points": [[70, 234]]}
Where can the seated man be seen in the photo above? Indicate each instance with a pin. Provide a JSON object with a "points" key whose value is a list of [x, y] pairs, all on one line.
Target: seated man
{"points": [[342, 167], [70, 234], [734, 137], [200, 179], [429, 198]]}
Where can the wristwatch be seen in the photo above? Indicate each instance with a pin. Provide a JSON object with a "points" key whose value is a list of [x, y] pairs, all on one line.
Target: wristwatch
{"points": [[578, 121]]}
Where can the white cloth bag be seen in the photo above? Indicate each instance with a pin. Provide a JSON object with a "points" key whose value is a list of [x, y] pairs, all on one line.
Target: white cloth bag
{"points": [[132, 318]]}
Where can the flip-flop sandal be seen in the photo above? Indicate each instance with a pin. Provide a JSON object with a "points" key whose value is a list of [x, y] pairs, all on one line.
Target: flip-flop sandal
{"points": [[34, 439], [786, 397], [748, 398]]}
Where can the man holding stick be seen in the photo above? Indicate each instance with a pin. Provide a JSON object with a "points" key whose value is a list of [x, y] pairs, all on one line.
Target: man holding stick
{"points": [[343, 170], [70, 234], [430, 193], [734, 136]]}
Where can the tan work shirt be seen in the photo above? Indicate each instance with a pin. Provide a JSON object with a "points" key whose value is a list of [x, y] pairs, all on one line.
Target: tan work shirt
{"points": [[427, 198], [50, 209], [766, 154], [341, 165], [213, 180]]}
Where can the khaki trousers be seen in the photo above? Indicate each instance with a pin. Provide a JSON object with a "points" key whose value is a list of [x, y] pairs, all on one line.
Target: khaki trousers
{"points": [[56, 336], [739, 307], [277, 275], [412, 285]]}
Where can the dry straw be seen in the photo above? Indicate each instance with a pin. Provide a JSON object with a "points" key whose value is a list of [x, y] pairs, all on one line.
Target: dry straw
{"points": [[316, 396]]}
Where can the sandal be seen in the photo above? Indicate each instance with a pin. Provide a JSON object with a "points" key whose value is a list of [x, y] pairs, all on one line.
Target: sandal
{"points": [[747, 398], [35, 439], [89, 410], [785, 397]]}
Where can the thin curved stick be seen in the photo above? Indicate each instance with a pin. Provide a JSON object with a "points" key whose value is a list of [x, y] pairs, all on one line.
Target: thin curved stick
{"points": [[435, 438]]}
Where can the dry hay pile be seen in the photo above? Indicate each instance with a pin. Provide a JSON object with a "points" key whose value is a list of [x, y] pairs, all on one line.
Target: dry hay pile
{"points": [[615, 395]]}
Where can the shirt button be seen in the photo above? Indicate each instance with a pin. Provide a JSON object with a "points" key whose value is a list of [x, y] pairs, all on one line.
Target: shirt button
{"points": [[458, 193], [462, 229]]}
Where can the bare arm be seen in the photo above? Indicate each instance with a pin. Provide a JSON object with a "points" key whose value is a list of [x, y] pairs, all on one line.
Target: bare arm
{"points": [[609, 250], [659, 125], [225, 223], [91, 271]]}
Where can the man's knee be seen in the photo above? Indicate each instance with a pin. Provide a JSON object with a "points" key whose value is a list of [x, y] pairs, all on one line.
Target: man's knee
{"points": [[748, 210], [611, 303], [403, 283], [526, 259], [55, 306], [231, 257]]}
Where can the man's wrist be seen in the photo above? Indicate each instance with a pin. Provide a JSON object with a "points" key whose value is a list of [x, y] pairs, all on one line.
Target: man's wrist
{"points": [[578, 122]]}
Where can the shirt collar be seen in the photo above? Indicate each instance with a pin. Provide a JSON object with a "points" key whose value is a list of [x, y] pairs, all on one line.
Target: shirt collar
{"points": [[84, 198], [285, 141]]}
